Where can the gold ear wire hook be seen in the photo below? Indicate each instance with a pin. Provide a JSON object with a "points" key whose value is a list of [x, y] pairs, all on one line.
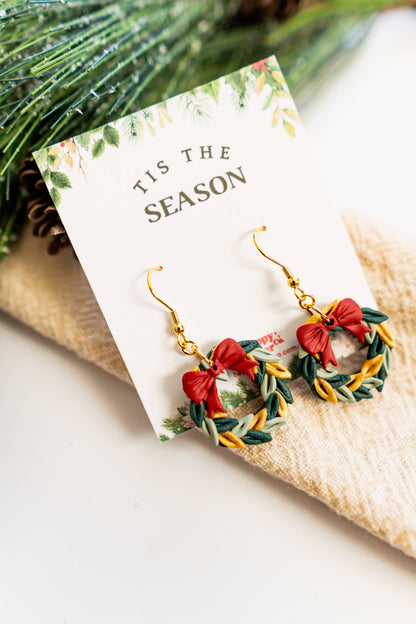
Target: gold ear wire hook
{"points": [[284, 268], [187, 346], [306, 302], [149, 283]]}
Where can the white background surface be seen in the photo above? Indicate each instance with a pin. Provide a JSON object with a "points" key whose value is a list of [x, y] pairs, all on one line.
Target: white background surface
{"points": [[99, 523]]}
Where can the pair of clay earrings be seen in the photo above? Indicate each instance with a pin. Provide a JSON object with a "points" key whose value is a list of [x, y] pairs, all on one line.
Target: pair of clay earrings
{"points": [[315, 361]]}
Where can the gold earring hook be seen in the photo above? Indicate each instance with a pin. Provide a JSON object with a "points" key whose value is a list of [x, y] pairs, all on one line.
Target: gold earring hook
{"points": [[306, 302], [149, 283], [187, 346], [285, 269]]}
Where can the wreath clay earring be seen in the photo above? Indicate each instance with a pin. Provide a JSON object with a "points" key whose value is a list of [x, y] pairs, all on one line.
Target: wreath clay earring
{"points": [[200, 385], [316, 359]]}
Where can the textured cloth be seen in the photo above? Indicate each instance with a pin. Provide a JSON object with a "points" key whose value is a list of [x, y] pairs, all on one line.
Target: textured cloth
{"points": [[360, 460]]}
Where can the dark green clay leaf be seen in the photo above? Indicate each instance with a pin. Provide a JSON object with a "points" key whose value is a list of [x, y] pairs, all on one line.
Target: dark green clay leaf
{"points": [[258, 377], [197, 412], [256, 437], [339, 380], [281, 387], [382, 374], [225, 424], [362, 393], [307, 368], [373, 316], [272, 406], [249, 345], [376, 348]]}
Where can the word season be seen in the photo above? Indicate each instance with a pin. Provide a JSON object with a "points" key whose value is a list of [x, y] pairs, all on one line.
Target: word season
{"points": [[201, 192]]}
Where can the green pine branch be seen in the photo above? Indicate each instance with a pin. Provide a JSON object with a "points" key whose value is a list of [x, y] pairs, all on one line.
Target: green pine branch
{"points": [[69, 66], [11, 212]]}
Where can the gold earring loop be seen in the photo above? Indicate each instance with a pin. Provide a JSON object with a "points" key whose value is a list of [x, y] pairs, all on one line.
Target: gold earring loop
{"points": [[188, 347], [306, 302]]}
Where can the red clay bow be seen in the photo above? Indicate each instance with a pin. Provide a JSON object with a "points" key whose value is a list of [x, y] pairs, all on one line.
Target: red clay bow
{"points": [[314, 337], [200, 385]]}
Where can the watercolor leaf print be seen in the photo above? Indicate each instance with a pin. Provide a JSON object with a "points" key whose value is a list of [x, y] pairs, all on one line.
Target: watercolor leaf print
{"points": [[61, 161], [133, 127], [111, 136], [198, 106], [265, 74], [51, 159], [55, 195], [60, 180], [289, 128], [242, 85], [98, 148], [212, 89], [84, 140]]}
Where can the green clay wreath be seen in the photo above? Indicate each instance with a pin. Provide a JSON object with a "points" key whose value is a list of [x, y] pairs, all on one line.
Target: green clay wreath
{"points": [[332, 386], [212, 418]]}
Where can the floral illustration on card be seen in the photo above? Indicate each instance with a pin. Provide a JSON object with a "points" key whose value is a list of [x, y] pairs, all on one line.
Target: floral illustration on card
{"points": [[64, 160]]}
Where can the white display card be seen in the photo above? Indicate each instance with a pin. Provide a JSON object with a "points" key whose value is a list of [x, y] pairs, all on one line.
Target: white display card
{"points": [[183, 184]]}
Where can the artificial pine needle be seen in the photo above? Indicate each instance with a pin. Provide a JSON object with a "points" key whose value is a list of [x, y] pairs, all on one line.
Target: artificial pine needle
{"points": [[67, 66]]}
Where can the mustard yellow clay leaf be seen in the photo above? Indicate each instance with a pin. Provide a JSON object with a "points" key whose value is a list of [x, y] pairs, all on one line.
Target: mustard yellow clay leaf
{"points": [[371, 367], [231, 440], [277, 370], [259, 420], [325, 390], [386, 335], [356, 381]]}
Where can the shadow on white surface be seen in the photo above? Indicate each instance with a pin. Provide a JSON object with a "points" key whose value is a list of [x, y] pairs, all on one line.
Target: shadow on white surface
{"points": [[89, 490]]}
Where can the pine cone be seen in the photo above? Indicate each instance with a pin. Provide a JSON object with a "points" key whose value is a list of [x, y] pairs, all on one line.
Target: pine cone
{"points": [[40, 207], [259, 10]]}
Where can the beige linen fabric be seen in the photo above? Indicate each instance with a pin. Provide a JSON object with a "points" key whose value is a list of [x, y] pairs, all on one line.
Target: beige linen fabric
{"points": [[360, 460]]}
